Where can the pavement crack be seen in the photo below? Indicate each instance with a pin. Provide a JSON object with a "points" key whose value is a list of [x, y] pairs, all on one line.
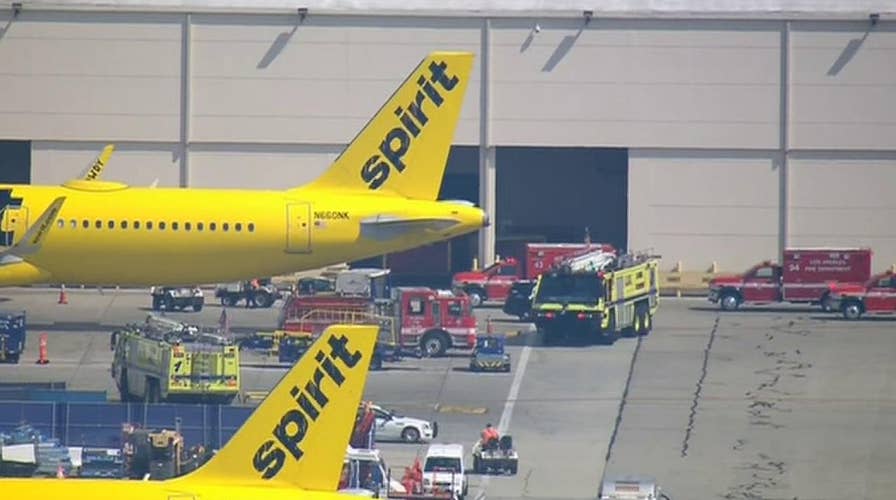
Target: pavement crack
{"points": [[699, 389]]}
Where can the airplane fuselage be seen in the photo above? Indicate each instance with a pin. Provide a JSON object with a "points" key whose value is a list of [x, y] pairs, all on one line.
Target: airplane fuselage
{"points": [[110, 234]]}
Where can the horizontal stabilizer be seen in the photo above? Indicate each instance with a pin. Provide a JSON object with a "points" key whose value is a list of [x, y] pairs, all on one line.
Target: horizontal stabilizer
{"points": [[384, 227]]}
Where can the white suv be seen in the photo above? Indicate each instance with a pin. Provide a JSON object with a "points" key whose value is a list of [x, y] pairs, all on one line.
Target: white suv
{"points": [[443, 470]]}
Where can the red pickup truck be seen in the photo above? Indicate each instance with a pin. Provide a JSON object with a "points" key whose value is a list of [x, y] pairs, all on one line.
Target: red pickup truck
{"points": [[494, 282], [807, 276], [875, 296]]}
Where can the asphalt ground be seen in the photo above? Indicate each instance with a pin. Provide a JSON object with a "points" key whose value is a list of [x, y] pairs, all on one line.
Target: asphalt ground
{"points": [[782, 402]]}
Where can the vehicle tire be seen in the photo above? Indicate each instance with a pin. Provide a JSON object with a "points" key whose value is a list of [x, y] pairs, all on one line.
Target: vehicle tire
{"points": [[434, 343], [477, 296], [13, 358], [376, 363], [156, 303], [477, 467], [197, 307], [852, 310], [263, 299], [410, 435], [642, 318], [512, 468], [729, 301], [168, 303], [229, 300]]}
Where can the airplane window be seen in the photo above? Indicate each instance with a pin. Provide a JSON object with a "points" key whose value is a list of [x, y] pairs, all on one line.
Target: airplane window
{"points": [[123, 224], [111, 224], [60, 223], [174, 226], [74, 224], [251, 227], [186, 226], [161, 226], [199, 226], [99, 224], [85, 223], [225, 226], [136, 224], [238, 226], [211, 226], [149, 225]]}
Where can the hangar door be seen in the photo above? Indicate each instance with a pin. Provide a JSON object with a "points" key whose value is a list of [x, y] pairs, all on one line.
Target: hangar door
{"points": [[15, 162], [552, 194]]}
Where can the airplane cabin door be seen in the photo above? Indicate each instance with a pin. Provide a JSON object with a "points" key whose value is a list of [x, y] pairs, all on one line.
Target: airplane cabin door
{"points": [[298, 227], [13, 224]]}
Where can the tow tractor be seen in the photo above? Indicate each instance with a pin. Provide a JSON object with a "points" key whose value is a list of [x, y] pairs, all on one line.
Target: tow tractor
{"points": [[489, 355], [177, 298], [496, 456]]}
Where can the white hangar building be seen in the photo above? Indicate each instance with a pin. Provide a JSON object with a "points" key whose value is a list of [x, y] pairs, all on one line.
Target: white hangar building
{"points": [[706, 130]]}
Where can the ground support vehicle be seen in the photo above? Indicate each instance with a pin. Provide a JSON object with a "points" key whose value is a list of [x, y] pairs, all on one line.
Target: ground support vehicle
{"points": [[631, 487], [489, 355], [877, 296], [494, 282], [12, 335], [496, 456], [597, 297], [519, 300], [177, 298], [365, 473], [163, 360], [444, 470], [231, 294], [806, 276]]}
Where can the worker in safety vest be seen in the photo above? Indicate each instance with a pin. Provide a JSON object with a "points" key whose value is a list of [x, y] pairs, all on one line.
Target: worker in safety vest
{"points": [[488, 434]]}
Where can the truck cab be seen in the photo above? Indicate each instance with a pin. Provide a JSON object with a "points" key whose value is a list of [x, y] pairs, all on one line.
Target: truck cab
{"points": [[434, 320], [759, 284], [876, 296], [364, 470], [443, 470], [491, 283]]}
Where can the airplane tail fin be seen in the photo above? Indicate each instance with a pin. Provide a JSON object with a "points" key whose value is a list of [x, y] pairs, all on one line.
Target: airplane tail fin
{"points": [[404, 148], [298, 435], [93, 171]]}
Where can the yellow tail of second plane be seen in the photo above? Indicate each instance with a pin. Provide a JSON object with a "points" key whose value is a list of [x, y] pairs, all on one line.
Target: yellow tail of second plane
{"points": [[297, 436], [403, 149], [295, 439]]}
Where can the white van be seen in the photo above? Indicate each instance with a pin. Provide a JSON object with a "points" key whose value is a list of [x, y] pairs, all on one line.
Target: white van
{"points": [[443, 470]]}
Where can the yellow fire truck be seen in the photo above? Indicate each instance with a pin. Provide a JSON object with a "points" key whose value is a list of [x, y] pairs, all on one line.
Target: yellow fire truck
{"points": [[163, 360], [596, 297]]}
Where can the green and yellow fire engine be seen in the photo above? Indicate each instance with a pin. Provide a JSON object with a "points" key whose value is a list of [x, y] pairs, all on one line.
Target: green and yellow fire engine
{"points": [[163, 360], [597, 297]]}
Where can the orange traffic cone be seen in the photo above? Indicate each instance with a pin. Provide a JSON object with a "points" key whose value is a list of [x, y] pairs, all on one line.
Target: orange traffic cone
{"points": [[63, 299], [42, 350]]}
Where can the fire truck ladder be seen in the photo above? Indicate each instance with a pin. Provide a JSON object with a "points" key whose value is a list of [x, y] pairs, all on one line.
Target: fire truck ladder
{"points": [[316, 321], [597, 260]]}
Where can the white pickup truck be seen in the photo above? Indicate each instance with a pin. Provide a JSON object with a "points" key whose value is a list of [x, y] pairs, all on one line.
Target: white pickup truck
{"points": [[443, 470]]}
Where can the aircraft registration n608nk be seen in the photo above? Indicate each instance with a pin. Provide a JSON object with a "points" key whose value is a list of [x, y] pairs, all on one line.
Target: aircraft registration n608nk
{"points": [[379, 196], [291, 447]]}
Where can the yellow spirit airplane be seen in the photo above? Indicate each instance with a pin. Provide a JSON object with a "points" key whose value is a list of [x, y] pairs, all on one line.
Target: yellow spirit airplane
{"points": [[378, 197], [291, 447]]}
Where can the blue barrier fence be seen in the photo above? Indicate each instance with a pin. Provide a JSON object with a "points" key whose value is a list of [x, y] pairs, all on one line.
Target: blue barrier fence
{"points": [[99, 424]]}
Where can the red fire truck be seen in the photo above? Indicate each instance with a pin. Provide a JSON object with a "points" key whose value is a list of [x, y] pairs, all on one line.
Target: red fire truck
{"points": [[875, 296], [432, 321], [806, 277], [494, 282]]}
